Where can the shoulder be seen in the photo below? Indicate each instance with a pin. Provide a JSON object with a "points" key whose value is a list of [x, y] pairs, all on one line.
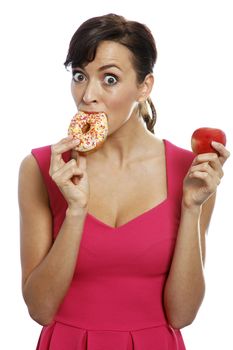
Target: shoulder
{"points": [[42, 150], [42, 154], [180, 154], [30, 181], [179, 151], [35, 164], [180, 158], [36, 153], [30, 164]]}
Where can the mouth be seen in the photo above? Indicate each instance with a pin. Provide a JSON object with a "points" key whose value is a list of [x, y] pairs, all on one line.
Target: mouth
{"points": [[91, 112]]}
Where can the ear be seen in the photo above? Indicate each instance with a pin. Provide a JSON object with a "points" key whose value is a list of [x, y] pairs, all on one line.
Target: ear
{"points": [[145, 88]]}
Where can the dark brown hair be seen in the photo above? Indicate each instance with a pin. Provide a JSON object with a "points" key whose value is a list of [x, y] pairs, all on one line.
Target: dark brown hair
{"points": [[134, 35]]}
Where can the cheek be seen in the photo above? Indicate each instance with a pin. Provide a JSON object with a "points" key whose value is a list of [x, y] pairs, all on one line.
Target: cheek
{"points": [[119, 106], [73, 91], [121, 100], [76, 93]]}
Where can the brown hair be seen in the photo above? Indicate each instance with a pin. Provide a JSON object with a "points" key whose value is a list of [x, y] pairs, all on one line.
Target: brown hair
{"points": [[134, 35]]}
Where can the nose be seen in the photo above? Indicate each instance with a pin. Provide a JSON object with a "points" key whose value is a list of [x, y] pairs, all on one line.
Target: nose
{"points": [[90, 93]]}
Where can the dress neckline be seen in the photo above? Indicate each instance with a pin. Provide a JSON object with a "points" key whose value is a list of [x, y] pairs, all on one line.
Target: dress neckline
{"points": [[147, 212]]}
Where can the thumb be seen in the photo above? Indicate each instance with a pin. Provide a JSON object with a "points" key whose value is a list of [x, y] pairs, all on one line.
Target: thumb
{"points": [[82, 162]]}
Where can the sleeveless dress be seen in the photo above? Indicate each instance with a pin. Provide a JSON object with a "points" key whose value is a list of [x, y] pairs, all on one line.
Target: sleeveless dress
{"points": [[115, 299]]}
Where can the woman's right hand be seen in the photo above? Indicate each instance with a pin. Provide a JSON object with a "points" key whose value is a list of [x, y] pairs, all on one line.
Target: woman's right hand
{"points": [[70, 177]]}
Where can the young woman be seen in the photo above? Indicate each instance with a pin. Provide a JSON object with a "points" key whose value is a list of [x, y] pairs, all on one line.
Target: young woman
{"points": [[113, 243]]}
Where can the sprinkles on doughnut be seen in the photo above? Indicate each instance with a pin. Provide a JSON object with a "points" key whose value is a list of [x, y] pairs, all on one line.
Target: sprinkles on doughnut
{"points": [[91, 128]]}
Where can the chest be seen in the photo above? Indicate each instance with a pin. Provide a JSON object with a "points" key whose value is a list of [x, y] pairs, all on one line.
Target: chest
{"points": [[119, 196]]}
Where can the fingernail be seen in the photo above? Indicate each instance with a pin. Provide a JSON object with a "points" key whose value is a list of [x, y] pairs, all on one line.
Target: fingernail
{"points": [[214, 143]]}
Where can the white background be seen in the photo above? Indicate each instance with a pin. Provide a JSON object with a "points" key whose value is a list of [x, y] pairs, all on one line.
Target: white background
{"points": [[193, 88]]}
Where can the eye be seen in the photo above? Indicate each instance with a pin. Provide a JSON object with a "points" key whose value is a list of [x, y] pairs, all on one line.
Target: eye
{"points": [[79, 77], [110, 79]]}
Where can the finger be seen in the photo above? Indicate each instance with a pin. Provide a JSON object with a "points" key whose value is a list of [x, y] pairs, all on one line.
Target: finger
{"points": [[217, 166], [224, 154], [212, 160], [82, 162], [64, 174], [199, 174], [211, 182], [67, 138], [202, 171], [57, 149], [205, 157], [201, 167], [75, 180], [210, 170], [64, 145]]}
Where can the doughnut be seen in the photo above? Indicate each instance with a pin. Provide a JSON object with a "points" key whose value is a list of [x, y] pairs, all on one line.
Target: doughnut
{"points": [[91, 128]]}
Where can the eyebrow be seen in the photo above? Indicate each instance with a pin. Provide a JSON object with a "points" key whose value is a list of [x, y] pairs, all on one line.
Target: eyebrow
{"points": [[106, 66]]}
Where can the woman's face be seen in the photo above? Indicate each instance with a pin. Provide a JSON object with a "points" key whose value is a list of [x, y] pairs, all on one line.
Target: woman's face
{"points": [[108, 84]]}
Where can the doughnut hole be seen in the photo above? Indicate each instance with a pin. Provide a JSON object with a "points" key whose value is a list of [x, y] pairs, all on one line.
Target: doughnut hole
{"points": [[86, 128]]}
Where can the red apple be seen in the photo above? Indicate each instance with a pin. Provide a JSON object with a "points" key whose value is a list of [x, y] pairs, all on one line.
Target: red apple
{"points": [[202, 137]]}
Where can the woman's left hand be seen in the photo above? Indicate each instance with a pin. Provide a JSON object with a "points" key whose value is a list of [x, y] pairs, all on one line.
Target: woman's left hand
{"points": [[204, 176]]}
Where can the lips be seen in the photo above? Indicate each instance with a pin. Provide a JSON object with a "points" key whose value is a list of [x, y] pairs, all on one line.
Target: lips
{"points": [[91, 112]]}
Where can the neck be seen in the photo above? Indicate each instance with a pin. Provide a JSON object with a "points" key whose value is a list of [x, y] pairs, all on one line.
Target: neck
{"points": [[126, 144]]}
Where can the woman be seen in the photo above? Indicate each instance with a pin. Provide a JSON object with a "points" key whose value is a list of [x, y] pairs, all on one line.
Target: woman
{"points": [[113, 244]]}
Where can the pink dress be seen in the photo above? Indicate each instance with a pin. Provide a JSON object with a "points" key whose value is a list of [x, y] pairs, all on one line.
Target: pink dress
{"points": [[115, 300]]}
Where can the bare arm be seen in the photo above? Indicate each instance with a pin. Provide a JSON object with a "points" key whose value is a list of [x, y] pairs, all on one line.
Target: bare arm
{"points": [[47, 268], [185, 285]]}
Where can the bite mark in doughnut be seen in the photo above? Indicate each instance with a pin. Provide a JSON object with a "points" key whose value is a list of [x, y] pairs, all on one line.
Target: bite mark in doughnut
{"points": [[91, 128]]}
